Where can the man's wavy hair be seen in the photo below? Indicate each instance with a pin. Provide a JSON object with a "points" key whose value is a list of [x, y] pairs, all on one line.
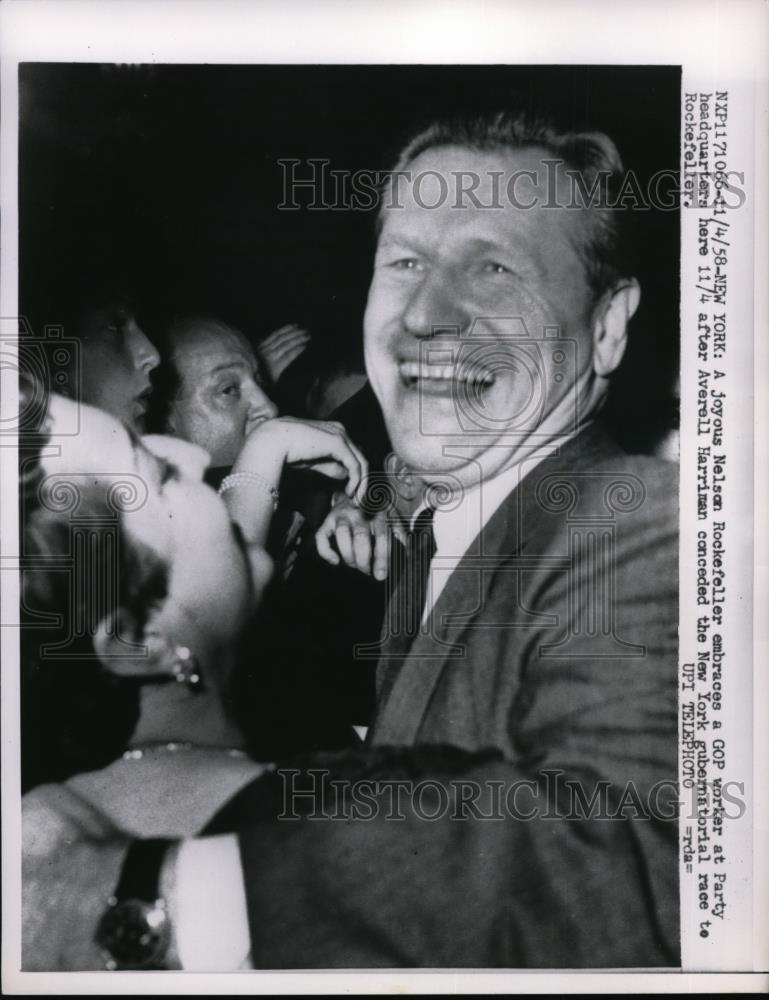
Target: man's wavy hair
{"points": [[592, 157], [76, 715]]}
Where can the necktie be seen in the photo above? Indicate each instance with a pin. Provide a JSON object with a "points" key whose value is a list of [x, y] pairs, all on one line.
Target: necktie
{"points": [[409, 578], [420, 549]]}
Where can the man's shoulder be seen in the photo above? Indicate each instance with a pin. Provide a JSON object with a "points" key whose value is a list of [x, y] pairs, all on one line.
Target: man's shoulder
{"points": [[639, 482], [592, 476]]}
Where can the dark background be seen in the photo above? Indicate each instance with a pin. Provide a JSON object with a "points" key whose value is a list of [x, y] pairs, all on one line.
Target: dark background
{"points": [[164, 180]]}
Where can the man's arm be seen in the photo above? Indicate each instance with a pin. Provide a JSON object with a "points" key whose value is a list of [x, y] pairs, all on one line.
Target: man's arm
{"points": [[539, 890], [71, 861], [582, 874], [402, 856]]}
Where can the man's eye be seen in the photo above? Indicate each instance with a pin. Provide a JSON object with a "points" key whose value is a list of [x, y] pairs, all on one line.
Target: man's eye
{"points": [[405, 264], [231, 389], [492, 267]]}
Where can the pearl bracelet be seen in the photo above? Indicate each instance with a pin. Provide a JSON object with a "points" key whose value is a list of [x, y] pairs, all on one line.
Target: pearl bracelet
{"points": [[248, 478]]}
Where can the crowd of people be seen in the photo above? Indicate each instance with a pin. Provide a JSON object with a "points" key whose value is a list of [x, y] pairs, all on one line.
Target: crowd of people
{"points": [[440, 571]]}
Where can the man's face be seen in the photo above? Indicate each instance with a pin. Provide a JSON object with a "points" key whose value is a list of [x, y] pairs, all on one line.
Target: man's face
{"points": [[478, 327], [220, 398], [117, 359]]}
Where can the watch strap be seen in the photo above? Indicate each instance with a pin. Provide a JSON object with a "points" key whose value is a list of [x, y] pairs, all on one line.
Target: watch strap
{"points": [[135, 930], [140, 874]]}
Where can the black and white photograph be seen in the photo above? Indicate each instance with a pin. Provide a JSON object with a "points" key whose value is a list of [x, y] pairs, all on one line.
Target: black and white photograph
{"points": [[373, 600]]}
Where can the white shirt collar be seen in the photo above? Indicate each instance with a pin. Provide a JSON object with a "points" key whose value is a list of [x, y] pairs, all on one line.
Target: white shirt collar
{"points": [[456, 526]]}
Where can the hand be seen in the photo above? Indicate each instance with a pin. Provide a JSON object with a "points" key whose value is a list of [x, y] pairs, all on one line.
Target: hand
{"points": [[281, 348], [71, 862], [314, 444], [364, 543]]}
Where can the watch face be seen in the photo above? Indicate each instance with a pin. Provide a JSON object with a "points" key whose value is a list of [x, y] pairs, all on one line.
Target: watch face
{"points": [[136, 934]]}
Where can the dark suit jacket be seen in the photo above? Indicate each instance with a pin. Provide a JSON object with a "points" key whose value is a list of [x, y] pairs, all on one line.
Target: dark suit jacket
{"points": [[551, 670]]}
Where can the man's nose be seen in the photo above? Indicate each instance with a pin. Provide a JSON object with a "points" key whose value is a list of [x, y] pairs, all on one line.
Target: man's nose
{"points": [[260, 404], [145, 355], [434, 308]]}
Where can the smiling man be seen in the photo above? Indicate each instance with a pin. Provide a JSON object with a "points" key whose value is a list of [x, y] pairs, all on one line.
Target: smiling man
{"points": [[515, 805], [494, 316]]}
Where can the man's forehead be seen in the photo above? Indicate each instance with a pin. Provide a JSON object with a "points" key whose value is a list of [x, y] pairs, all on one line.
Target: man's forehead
{"points": [[483, 196], [210, 347], [459, 172]]}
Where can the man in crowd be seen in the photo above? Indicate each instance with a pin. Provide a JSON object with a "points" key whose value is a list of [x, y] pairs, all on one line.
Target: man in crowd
{"points": [[515, 803]]}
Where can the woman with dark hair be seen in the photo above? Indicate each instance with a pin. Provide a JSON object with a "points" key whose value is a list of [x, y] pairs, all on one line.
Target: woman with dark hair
{"points": [[136, 590], [111, 357]]}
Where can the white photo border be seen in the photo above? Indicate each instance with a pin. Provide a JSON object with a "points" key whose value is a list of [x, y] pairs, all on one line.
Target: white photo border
{"points": [[717, 45]]}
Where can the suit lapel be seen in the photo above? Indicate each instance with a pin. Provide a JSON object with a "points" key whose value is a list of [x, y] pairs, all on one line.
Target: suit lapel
{"points": [[405, 683]]}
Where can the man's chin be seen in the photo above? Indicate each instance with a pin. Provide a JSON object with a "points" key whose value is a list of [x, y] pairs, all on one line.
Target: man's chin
{"points": [[445, 453]]}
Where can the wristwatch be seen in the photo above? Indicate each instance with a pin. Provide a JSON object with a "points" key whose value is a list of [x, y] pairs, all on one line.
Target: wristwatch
{"points": [[135, 930]]}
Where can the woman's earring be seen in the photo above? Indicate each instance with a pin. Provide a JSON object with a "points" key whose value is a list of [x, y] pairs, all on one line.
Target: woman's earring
{"points": [[185, 669]]}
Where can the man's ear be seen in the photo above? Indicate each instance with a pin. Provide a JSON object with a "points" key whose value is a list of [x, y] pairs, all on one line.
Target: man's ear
{"points": [[121, 645], [610, 322]]}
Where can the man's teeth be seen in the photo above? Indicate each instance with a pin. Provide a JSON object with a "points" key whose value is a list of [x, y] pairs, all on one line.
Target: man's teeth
{"points": [[445, 373]]}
